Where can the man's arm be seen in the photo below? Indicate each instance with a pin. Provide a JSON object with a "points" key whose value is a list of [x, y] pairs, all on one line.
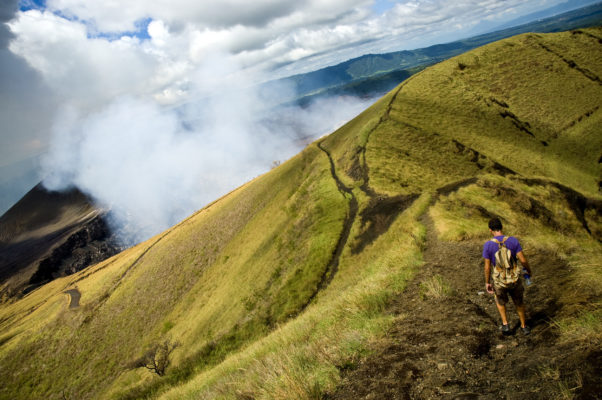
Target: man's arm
{"points": [[488, 285], [523, 260]]}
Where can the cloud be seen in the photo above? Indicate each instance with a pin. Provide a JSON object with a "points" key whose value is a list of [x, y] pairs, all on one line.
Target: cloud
{"points": [[152, 166], [7, 11], [82, 70], [266, 33], [223, 14], [27, 107], [66, 44], [21, 92]]}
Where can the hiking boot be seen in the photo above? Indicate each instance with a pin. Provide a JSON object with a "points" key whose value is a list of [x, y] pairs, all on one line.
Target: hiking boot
{"points": [[505, 328], [526, 330]]}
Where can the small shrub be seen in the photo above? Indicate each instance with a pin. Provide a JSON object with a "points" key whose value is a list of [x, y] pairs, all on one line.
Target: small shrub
{"points": [[435, 287], [156, 359], [167, 325]]}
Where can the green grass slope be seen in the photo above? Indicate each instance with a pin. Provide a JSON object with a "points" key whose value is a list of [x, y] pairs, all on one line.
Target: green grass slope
{"points": [[537, 113], [276, 289]]}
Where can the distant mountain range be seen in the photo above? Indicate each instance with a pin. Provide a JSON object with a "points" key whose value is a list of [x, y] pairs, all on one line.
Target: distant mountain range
{"points": [[547, 13], [375, 74]]}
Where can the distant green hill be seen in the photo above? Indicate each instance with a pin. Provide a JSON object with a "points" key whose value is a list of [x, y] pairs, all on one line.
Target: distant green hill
{"points": [[279, 289], [357, 76]]}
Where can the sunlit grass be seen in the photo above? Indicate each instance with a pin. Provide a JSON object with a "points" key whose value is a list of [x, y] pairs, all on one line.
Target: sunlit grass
{"points": [[444, 104], [584, 329], [302, 358]]}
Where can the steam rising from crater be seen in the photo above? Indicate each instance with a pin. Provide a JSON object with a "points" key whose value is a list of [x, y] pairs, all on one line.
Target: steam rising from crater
{"points": [[153, 165]]}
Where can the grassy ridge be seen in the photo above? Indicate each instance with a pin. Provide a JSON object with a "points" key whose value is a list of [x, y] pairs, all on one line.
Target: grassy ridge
{"points": [[534, 112], [279, 286], [422, 137], [302, 358]]}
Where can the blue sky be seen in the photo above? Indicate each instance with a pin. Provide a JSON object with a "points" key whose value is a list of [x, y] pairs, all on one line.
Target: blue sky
{"points": [[25, 5], [380, 6]]}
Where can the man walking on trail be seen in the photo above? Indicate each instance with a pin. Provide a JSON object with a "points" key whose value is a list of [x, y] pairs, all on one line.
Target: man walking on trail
{"points": [[501, 253]]}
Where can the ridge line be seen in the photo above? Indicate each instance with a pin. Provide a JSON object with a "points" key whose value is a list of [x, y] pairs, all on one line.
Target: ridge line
{"points": [[365, 186], [333, 264]]}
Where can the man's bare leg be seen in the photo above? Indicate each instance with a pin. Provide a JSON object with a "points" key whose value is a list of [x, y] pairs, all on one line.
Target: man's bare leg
{"points": [[521, 315], [502, 309]]}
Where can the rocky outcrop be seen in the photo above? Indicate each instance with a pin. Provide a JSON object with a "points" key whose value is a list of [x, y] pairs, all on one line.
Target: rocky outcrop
{"points": [[88, 245], [49, 234]]}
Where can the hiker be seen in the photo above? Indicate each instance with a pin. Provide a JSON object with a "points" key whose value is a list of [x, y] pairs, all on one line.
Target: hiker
{"points": [[501, 252]]}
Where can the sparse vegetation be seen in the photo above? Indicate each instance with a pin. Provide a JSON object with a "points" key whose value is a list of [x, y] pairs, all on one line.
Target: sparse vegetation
{"points": [[584, 329], [436, 287], [549, 372]]}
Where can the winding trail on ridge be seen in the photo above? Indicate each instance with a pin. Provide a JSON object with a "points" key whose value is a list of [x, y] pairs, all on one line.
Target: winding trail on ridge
{"points": [[333, 264], [364, 169], [450, 347], [376, 217]]}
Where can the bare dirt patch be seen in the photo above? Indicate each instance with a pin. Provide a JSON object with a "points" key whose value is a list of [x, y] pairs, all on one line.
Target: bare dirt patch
{"points": [[378, 216], [450, 347], [74, 296]]}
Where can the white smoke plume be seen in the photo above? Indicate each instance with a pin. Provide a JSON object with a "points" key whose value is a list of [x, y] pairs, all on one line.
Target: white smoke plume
{"points": [[153, 165]]}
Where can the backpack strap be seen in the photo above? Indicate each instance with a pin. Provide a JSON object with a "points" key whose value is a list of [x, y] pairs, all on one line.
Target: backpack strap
{"points": [[502, 243]]}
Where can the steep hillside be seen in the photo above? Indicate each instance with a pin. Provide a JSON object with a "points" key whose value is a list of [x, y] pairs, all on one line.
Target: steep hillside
{"points": [[291, 285]]}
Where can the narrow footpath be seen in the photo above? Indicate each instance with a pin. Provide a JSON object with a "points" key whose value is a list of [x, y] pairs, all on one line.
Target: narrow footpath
{"points": [[74, 296], [447, 345]]}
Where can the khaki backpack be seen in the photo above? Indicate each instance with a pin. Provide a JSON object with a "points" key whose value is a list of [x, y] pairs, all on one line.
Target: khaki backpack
{"points": [[506, 271]]}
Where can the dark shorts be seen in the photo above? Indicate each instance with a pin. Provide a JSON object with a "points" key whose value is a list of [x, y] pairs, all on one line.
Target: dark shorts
{"points": [[516, 292]]}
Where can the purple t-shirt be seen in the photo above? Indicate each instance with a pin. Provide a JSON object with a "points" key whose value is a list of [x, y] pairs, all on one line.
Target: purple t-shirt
{"points": [[491, 247]]}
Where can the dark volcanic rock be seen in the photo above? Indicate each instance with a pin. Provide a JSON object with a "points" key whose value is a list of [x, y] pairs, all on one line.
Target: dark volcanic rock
{"points": [[88, 245], [50, 234]]}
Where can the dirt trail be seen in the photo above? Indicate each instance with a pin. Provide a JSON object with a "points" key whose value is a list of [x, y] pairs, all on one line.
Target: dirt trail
{"points": [[74, 295], [451, 347], [333, 264]]}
